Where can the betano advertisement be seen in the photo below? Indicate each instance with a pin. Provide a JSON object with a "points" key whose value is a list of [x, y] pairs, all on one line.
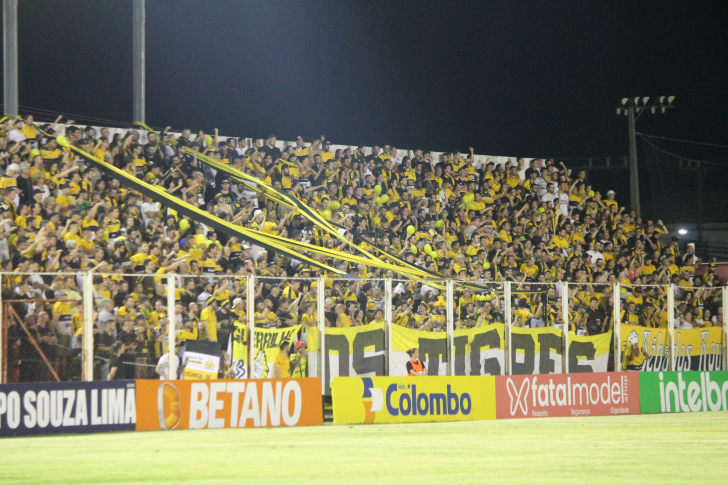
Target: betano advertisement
{"points": [[565, 395], [359, 400], [683, 392], [165, 405]]}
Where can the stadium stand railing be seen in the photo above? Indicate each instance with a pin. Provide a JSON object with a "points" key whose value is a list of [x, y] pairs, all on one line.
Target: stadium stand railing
{"points": [[368, 326]]}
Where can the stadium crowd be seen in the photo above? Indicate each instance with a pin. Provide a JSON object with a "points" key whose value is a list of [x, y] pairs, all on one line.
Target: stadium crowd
{"points": [[535, 224]]}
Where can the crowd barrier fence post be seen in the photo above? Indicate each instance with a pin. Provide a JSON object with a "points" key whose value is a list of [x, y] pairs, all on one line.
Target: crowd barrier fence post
{"points": [[565, 325], [671, 324], [3, 367], [250, 307], [617, 326], [320, 317], [87, 345], [388, 327], [171, 326], [450, 327], [724, 292], [507, 310]]}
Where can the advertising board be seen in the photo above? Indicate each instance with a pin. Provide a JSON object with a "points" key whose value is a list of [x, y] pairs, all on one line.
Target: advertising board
{"points": [[359, 400], [683, 392], [188, 404], [563, 395], [67, 407]]}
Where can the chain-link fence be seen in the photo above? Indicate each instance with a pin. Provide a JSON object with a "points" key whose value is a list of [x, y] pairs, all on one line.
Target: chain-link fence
{"points": [[86, 326]]}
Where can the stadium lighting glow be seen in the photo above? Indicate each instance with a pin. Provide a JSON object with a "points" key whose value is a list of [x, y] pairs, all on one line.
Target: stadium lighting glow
{"points": [[683, 231]]}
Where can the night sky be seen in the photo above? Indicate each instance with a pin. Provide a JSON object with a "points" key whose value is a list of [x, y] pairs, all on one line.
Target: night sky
{"points": [[537, 79]]}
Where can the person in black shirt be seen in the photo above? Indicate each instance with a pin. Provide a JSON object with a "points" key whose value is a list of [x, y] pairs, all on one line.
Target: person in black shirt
{"points": [[594, 318], [225, 320], [271, 149]]}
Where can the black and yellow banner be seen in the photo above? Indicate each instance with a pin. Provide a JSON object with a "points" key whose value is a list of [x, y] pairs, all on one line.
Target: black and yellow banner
{"points": [[354, 352], [589, 353], [536, 350]]}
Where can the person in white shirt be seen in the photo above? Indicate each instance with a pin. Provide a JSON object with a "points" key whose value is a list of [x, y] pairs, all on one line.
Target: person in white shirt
{"points": [[551, 195], [162, 368], [595, 252], [16, 134]]}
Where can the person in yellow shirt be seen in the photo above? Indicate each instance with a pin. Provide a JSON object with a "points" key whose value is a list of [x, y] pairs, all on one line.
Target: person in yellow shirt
{"points": [[282, 365], [209, 318], [342, 319]]}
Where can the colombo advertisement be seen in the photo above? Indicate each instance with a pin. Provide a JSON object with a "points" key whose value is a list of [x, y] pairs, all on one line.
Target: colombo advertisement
{"points": [[360, 400]]}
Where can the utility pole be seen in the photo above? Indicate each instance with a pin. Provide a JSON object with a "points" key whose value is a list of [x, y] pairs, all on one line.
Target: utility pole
{"points": [[629, 107], [10, 56], [138, 64]]}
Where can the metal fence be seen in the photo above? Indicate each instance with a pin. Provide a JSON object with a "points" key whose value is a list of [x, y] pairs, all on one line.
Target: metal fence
{"points": [[86, 326]]}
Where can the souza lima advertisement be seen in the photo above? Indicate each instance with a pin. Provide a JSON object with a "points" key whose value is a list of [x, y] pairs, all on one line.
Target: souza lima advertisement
{"points": [[67, 407]]}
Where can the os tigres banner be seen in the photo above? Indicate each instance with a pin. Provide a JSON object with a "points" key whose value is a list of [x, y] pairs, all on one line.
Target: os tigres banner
{"points": [[164, 405], [480, 351], [565, 395], [699, 349], [653, 341], [412, 399], [266, 347], [432, 347], [589, 353], [536, 350], [354, 351]]}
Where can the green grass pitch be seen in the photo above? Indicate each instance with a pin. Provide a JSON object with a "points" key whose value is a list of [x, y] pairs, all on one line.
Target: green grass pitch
{"points": [[669, 448]]}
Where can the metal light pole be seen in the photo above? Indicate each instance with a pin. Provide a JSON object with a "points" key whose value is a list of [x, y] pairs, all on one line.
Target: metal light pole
{"points": [[629, 107], [138, 64], [10, 56]]}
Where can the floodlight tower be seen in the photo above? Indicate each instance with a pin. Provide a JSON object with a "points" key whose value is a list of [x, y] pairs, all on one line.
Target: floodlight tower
{"points": [[628, 108], [10, 56]]}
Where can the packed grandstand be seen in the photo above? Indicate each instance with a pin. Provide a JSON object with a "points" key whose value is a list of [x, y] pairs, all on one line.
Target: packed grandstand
{"points": [[291, 213]]}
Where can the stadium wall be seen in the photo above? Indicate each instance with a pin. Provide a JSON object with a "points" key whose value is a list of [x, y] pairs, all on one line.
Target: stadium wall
{"points": [[142, 405]]}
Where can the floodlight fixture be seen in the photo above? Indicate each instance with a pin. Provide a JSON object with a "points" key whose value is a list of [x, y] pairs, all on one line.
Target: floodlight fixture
{"points": [[625, 101], [645, 99], [670, 99], [683, 231]]}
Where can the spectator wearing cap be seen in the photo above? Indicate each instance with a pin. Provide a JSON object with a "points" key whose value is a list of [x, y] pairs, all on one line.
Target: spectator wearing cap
{"points": [[299, 361]]}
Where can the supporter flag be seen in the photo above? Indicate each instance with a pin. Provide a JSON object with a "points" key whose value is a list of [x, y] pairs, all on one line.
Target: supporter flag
{"points": [[699, 349], [238, 350], [265, 349], [312, 349], [432, 347], [354, 352], [589, 353], [201, 360], [480, 351], [536, 350], [654, 343]]}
